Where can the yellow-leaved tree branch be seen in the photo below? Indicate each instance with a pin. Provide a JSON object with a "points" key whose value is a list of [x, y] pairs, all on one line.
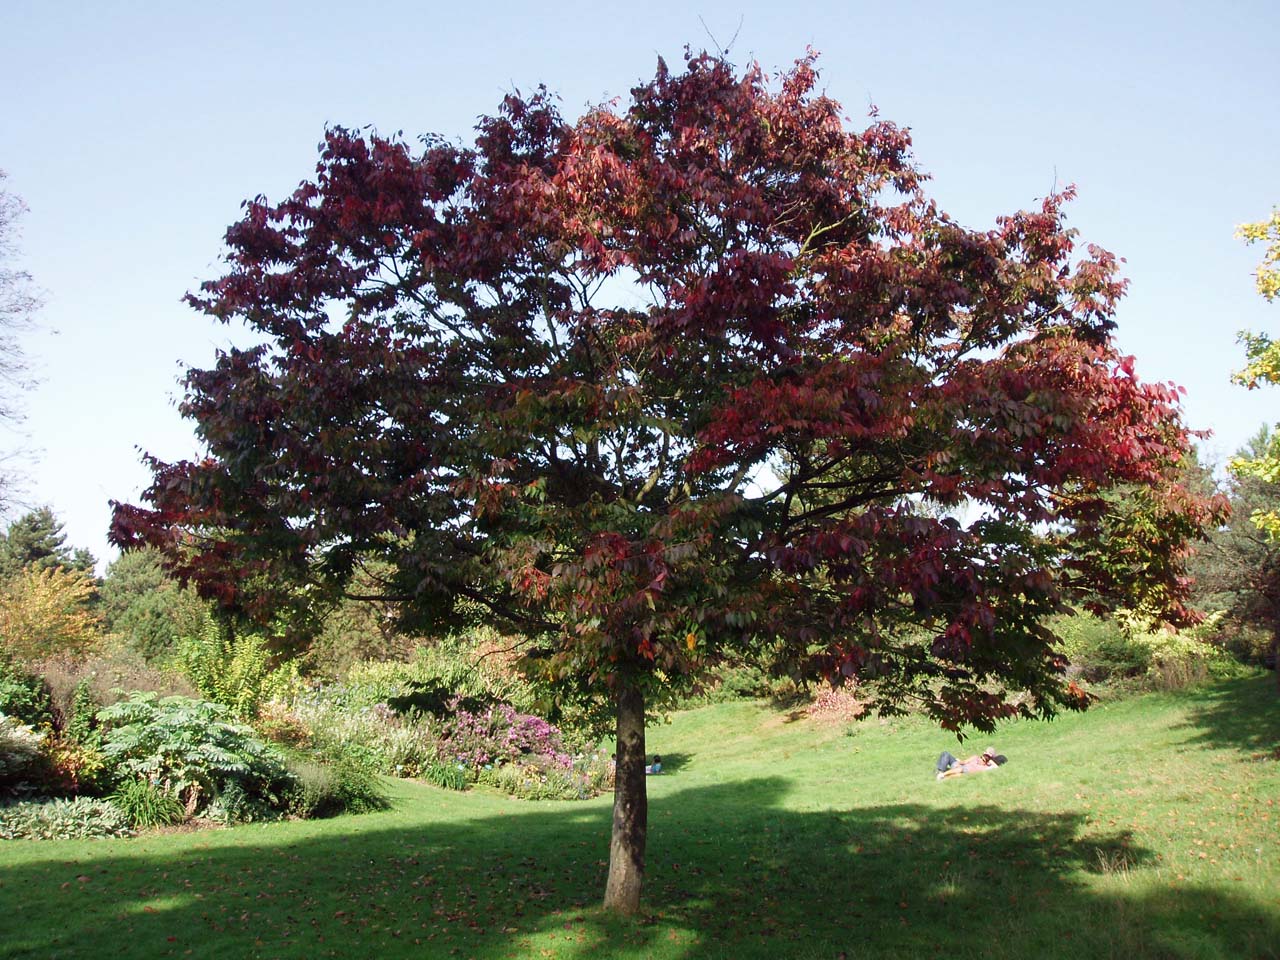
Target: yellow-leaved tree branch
{"points": [[1263, 366]]}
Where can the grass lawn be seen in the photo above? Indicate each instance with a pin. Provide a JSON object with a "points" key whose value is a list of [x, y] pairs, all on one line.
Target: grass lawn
{"points": [[1145, 828]]}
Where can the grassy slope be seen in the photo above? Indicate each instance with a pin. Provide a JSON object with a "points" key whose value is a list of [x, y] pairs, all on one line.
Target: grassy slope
{"points": [[1141, 829]]}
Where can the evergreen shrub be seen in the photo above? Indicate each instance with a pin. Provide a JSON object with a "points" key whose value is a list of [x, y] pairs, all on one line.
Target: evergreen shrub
{"points": [[326, 790], [24, 695]]}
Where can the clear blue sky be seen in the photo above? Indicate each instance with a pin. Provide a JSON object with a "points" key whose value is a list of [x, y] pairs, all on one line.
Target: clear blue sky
{"points": [[134, 130]]}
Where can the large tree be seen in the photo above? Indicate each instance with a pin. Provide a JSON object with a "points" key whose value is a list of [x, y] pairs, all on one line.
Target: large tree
{"points": [[36, 539], [147, 608], [1258, 467], [682, 379], [1238, 571], [1263, 353]]}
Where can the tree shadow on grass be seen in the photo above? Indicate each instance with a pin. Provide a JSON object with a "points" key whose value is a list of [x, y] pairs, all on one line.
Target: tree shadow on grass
{"points": [[731, 874], [1238, 715]]}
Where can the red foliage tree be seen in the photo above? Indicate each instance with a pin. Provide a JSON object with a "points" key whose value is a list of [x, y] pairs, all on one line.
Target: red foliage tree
{"points": [[670, 382]]}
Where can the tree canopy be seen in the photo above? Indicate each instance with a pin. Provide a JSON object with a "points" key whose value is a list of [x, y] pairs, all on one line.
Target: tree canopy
{"points": [[1238, 571], [45, 612], [701, 374], [1267, 233], [1264, 365], [147, 608], [36, 539]]}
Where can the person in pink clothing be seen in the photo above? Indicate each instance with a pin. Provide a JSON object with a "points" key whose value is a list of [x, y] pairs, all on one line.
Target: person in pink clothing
{"points": [[982, 762]]}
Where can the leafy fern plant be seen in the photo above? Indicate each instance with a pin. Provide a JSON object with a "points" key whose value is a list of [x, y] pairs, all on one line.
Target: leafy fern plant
{"points": [[192, 748], [236, 671]]}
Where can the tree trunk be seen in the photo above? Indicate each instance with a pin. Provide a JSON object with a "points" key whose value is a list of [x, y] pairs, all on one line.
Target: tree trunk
{"points": [[1275, 661], [630, 808]]}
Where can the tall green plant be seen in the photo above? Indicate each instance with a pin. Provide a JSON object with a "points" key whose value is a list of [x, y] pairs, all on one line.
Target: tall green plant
{"points": [[145, 804], [190, 747], [233, 670]]}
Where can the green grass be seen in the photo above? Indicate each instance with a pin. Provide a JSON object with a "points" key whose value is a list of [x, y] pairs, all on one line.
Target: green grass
{"points": [[1144, 828]]}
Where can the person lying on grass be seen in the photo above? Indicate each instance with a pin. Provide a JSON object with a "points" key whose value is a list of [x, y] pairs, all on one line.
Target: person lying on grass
{"points": [[949, 766]]}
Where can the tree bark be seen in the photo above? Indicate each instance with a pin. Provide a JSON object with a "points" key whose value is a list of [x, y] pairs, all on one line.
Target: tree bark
{"points": [[1275, 662], [630, 809]]}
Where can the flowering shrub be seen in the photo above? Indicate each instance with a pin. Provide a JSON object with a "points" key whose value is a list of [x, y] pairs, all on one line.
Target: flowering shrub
{"points": [[596, 771], [280, 723], [459, 740], [498, 735], [535, 777], [373, 736]]}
